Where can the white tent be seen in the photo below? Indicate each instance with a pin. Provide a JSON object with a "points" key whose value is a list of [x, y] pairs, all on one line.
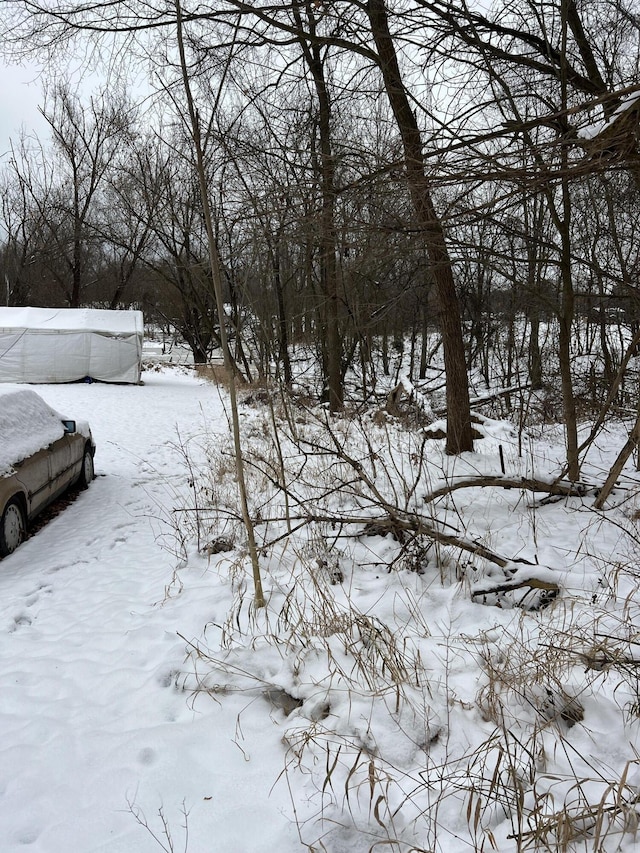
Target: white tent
{"points": [[69, 344]]}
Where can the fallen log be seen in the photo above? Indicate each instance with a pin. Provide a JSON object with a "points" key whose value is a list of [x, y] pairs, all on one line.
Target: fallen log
{"points": [[419, 526], [564, 488], [517, 583], [518, 573]]}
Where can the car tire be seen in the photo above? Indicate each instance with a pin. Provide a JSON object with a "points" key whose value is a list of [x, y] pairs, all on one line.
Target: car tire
{"points": [[86, 472], [13, 527]]}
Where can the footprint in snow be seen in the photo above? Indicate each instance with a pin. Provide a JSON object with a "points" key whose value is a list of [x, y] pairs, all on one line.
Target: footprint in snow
{"points": [[33, 597], [147, 756], [29, 836], [22, 620]]}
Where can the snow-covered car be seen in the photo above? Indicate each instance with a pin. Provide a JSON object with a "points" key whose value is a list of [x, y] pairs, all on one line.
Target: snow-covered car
{"points": [[41, 455]]}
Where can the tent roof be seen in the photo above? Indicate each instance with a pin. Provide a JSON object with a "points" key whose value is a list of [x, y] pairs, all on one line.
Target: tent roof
{"points": [[72, 319]]}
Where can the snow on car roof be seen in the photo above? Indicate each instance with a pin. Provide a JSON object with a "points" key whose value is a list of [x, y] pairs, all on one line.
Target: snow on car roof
{"points": [[27, 424]]}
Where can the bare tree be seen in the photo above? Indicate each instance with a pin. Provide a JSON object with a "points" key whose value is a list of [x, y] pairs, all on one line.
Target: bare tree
{"points": [[459, 434], [65, 186], [175, 249], [22, 224], [201, 171], [123, 223]]}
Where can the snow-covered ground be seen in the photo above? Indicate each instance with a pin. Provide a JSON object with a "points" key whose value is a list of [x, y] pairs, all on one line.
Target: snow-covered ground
{"points": [[94, 729], [374, 704]]}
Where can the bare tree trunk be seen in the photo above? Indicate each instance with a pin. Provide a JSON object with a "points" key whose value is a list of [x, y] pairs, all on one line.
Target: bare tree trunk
{"points": [[283, 328], [533, 222], [312, 53], [567, 297], [535, 355], [76, 257], [194, 121], [459, 434], [616, 469], [424, 344]]}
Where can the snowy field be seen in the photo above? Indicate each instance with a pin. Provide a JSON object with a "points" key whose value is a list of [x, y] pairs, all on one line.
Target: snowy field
{"points": [[364, 709]]}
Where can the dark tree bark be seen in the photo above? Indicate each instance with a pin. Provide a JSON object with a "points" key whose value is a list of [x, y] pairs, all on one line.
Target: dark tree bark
{"points": [[459, 434], [283, 326], [313, 55]]}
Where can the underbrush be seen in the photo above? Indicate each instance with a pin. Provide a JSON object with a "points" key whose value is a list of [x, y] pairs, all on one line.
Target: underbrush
{"points": [[427, 691]]}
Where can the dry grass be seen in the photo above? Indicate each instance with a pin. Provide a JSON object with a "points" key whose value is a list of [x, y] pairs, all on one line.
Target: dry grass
{"points": [[218, 374], [355, 677]]}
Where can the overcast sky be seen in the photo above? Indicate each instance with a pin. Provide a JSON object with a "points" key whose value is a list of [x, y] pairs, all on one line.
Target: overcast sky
{"points": [[20, 96]]}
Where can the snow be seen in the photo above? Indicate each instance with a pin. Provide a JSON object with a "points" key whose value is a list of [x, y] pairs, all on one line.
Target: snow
{"points": [[27, 425], [363, 708], [72, 320], [595, 128], [93, 721]]}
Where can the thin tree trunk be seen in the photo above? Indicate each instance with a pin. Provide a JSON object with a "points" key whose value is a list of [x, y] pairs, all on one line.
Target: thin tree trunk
{"points": [[616, 469], [283, 329], [459, 434], [424, 346], [329, 273], [76, 268], [535, 355], [194, 120], [567, 298]]}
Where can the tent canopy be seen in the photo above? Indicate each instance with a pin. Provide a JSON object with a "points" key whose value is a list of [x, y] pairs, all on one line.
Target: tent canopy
{"points": [[69, 344]]}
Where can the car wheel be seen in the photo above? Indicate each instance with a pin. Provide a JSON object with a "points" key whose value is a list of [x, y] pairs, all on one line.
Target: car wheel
{"points": [[86, 472], [12, 527]]}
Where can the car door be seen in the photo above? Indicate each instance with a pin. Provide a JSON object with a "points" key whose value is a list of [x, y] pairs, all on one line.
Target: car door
{"points": [[34, 475], [63, 462]]}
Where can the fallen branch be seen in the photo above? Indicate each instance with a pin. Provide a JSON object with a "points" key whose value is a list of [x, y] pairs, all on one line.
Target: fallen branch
{"points": [[496, 395], [530, 484], [517, 583], [475, 402], [520, 576], [418, 526]]}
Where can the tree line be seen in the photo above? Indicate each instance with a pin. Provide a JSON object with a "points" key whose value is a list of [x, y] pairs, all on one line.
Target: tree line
{"points": [[373, 170]]}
